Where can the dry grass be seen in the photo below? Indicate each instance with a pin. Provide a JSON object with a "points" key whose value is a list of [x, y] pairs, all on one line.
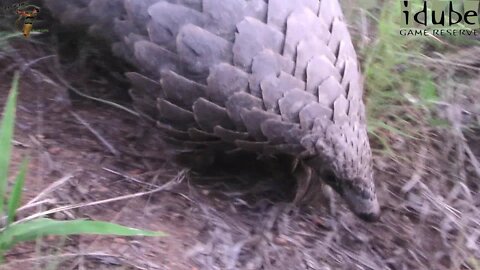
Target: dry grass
{"points": [[425, 117]]}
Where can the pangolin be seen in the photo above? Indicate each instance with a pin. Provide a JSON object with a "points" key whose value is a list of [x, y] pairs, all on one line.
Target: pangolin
{"points": [[264, 76]]}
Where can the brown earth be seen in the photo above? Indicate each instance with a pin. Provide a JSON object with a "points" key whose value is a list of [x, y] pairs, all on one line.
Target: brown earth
{"points": [[430, 211]]}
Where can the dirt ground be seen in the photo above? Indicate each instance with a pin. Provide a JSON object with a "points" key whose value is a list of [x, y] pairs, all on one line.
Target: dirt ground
{"points": [[51, 129], [90, 152]]}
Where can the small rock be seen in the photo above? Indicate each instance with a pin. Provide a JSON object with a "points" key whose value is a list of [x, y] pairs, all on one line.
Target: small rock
{"points": [[120, 240], [60, 216], [279, 240], [54, 150], [135, 172], [325, 224]]}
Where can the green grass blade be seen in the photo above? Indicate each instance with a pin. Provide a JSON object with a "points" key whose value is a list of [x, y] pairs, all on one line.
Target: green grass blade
{"points": [[37, 228], [16, 194], [6, 135], [428, 91]]}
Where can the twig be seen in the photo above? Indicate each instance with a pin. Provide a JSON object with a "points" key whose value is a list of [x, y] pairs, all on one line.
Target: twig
{"points": [[94, 132], [175, 181], [25, 207], [113, 104], [418, 173], [47, 190], [33, 62], [470, 154], [129, 177], [21, 144], [473, 159]]}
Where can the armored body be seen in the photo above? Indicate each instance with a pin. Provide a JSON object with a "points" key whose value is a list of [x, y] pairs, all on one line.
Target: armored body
{"points": [[265, 76]]}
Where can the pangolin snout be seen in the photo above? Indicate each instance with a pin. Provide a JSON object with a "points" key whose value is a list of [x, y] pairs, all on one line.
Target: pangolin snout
{"points": [[365, 207]]}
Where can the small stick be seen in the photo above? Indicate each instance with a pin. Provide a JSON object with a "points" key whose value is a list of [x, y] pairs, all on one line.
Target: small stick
{"points": [[167, 186], [129, 177], [49, 189], [94, 132]]}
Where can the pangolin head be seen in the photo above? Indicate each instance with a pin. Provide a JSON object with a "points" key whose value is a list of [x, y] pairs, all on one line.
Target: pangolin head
{"points": [[358, 192], [345, 164]]}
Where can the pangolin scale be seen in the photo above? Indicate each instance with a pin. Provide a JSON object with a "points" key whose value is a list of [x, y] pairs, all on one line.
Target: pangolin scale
{"points": [[264, 76]]}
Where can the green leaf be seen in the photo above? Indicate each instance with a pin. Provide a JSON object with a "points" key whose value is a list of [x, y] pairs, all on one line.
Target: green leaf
{"points": [[6, 135], [37, 228], [16, 194]]}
